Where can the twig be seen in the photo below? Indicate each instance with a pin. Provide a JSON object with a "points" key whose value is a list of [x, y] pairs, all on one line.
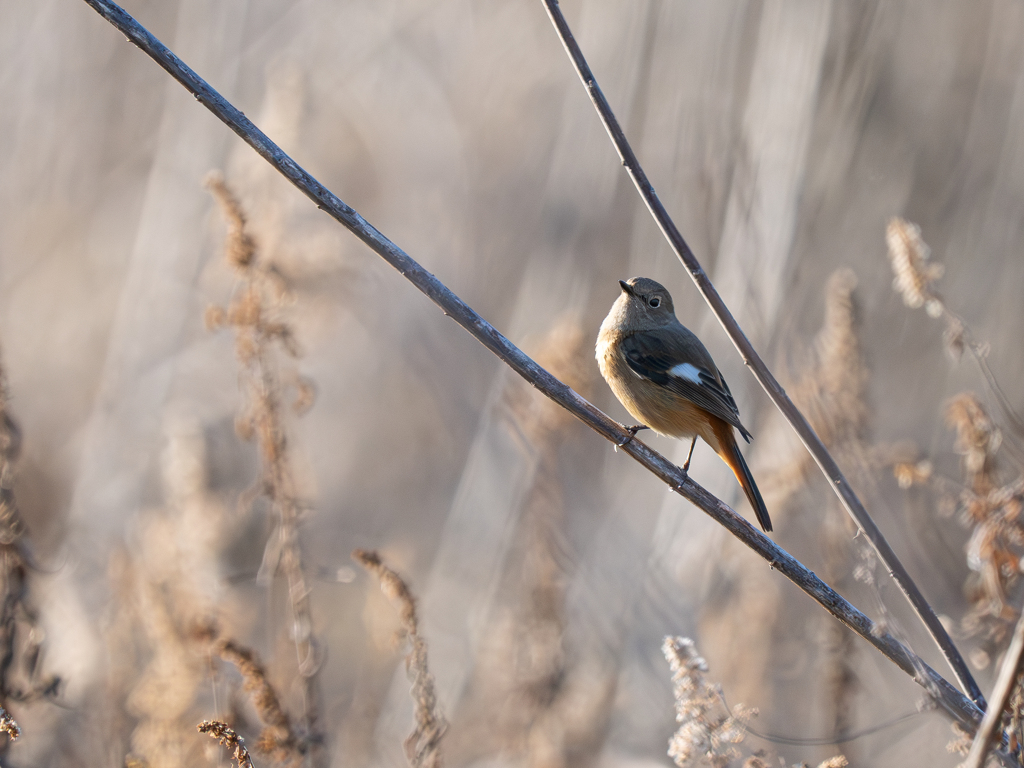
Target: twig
{"points": [[950, 699], [1009, 673], [761, 372]]}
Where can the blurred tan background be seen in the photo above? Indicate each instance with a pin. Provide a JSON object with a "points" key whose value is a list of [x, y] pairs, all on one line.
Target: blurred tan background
{"points": [[782, 135]]}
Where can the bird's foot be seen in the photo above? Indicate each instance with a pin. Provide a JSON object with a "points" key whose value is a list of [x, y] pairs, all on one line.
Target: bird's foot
{"points": [[686, 464], [632, 433]]}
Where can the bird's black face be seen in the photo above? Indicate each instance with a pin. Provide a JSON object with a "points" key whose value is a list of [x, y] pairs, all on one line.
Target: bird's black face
{"points": [[645, 297]]}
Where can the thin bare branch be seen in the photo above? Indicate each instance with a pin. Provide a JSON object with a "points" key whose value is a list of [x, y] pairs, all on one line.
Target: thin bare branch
{"points": [[761, 372], [949, 699]]}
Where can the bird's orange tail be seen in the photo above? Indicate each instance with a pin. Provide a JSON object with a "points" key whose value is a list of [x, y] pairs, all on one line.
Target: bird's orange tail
{"points": [[730, 453]]}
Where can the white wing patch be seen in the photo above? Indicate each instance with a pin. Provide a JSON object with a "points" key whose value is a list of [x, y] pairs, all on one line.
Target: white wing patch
{"points": [[686, 371]]}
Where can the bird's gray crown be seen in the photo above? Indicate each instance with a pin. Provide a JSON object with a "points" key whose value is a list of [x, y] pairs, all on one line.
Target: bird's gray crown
{"points": [[644, 303], [645, 286]]}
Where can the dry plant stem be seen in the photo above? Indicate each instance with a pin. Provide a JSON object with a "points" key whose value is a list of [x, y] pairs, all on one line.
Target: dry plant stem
{"points": [[950, 699], [423, 745], [228, 738], [277, 738], [1009, 673], [761, 372], [254, 334], [20, 638]]}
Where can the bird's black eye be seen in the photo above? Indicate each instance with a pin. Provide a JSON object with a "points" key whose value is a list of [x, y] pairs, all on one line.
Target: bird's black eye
{"points": [[654, 302]]}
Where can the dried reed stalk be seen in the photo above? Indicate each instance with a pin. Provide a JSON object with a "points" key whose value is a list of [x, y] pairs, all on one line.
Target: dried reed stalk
{"points": [[423, 745], [561, 697], [277, 739], [915, 278], [991, 508], [255, 315], [169, 606], [533, 696], [951, 700], [20, 634], [832, 393], [708, 732], [831, 387]]}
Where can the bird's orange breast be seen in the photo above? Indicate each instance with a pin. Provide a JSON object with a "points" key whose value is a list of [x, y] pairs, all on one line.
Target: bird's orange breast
{"points": [[659, 408]]}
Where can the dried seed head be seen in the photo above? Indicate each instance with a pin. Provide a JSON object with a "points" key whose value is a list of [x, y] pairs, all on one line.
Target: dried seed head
{"points": [[244, 427], [215, 317], [914, 273], [247, 308], [909, 473], [229, 739], [305, 394], [277, 738], [706, 729], [240, 248], [955, 337], [977, 438], [961, 742], [422, 746], [8, 725], [979, 658]]}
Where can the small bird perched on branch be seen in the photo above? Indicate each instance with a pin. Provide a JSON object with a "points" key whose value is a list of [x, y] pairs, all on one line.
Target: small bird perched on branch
{"points": [[667, 380]]}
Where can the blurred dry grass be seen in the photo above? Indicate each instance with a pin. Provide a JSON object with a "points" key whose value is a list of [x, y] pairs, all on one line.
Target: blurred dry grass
{"points": [[782, 135]]}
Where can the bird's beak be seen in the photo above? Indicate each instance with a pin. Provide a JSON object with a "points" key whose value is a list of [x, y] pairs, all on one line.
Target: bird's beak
{"points": [[626, 287]]}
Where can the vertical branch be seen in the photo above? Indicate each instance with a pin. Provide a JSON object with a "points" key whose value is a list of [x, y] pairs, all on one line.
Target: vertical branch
{"points": [[1009, 673], [757, 366]]}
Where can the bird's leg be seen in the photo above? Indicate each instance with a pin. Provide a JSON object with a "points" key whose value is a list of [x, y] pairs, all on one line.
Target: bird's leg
{"points": [[632, 433], [686, 464]]}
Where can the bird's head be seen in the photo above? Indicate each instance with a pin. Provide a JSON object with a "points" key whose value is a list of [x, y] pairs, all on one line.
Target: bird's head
{"points": [[643, 305]]}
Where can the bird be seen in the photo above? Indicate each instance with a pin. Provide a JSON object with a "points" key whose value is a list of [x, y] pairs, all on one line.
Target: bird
{"points": [[665, 377]]}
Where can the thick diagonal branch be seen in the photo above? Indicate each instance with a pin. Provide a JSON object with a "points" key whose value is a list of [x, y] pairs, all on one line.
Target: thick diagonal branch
{"points": [[951, 700], [761, 372]]}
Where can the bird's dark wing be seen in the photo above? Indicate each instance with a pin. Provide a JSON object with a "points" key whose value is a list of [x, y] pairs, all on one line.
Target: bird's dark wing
{"points": [[654, 355]]}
